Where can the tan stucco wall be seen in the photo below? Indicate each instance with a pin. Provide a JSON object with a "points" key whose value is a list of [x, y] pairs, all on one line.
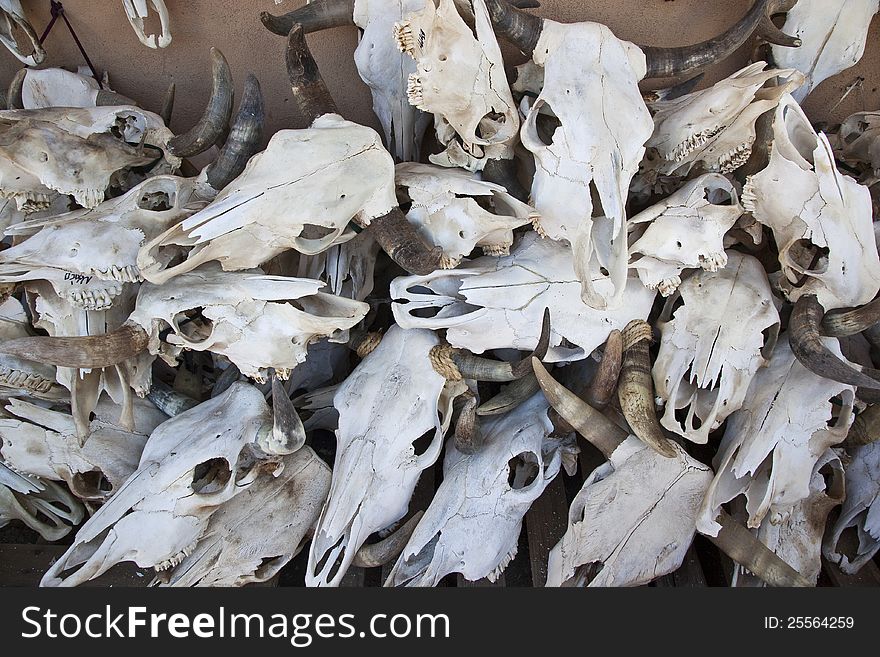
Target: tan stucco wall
{"points": [[235, 28]]}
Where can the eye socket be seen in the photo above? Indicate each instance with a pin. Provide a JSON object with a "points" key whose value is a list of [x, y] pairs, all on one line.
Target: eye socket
{"points": [[211, 476], [522, 470]]}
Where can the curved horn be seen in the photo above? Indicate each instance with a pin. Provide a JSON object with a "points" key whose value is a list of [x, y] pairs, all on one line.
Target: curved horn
{"points": [[468, 437], [519, 28], [842, 323], [866, 428], [476, 368], [378, 554], [803, 335], [288, 433], [636, 390], [87, 352], [309, 91], [170, 401], [215, 119], [772, 34], [512, 396], [402, 242], [503, 172], [672, 62], [315, 16], [13, 93], [168, 105], [586, 420], [744, 548], [244, 137]]}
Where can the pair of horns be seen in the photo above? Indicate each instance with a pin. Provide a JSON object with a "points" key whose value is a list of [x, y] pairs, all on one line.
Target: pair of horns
{"points": [[523, 30], [734, 540]]}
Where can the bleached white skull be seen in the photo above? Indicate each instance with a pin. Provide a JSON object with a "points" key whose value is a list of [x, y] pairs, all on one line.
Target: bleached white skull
{"points": [[798, 539], [300, 193], [833, 35], [256, 321], [474, 521], [43, 442], [191, 464], [685, 231], [459, 74], [772, 444], [860, 513], [498, 303], [715, 127], [58, 87], [386, 70], [712, 346], [822, 223], [137, 11], [632, 521], [591, 96], [20, 374], [255, 534], [90, 255], [858, 140], [12, 18], [75, 151], [392, 417], [455, 211], [44, 506]]}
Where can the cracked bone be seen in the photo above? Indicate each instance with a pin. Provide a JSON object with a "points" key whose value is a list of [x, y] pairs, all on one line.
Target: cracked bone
{"points": [[137, 11], [42, 442], [300, 193], [860, 513], [712, 346], [498, 303], [474, 520], [190, 466], [833, 35], [12, 17], [684, 231], [447, 210], [391, 400], [255, 534], [44, 506], [772, 443], [715, 127], [822, 224]]}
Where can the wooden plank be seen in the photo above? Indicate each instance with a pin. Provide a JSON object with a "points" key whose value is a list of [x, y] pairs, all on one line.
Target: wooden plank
{"points": [[546, 522], [868, 575], [24, 565]]}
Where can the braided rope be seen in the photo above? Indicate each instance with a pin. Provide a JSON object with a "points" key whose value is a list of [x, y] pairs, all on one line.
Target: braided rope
{"points": [[368, 344], [441, 361], [636, 331]]}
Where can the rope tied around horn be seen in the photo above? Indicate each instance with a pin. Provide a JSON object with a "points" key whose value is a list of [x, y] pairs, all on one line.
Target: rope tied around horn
{"points": [[636, 331], [368, 344], [441, 361]]}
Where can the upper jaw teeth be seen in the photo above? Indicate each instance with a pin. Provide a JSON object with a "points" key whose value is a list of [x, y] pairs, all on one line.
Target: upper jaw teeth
{"points": [[19, 379], [692, 143], [28, 202], [126, 274], [93, 299], [403, 34]]}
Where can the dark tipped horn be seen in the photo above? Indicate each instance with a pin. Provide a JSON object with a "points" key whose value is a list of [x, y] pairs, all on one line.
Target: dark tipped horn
{"points": [[111, 98], [215, 119], [288, 433], [402, 242], [87, 352], [636, 390], [307, 85], [772, 34], [168, 105], [586, 420], [672, 62], [13, 93], [843, 323], [604, 382], [315, 16], [170, 401], [744, 548], [803, 335], [512, 396], [519, 28], [244, 137], [468, 437], [378, 554], [476, 368]]}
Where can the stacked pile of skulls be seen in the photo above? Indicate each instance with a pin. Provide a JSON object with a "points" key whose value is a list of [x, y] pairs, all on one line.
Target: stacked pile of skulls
{"points": [[178, 349]]}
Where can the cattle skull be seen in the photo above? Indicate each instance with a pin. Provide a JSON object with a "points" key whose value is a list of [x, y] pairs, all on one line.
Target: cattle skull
{"points": [[823, 224], [497, 303], [391, 400], [44, 506], [137, 11], [833, 34], [684, 231], [473, 524], [449, 207], [12, 16], [858, 140], [712, 346], [192, 464]]}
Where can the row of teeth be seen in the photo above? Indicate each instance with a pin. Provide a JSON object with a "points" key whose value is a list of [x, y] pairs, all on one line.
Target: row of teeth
{"points": [[536, 224], [449, 262], [93, 299], [692, 143], [88, 198], [403, 34], [19, 379], [127, 274], [496, 249], [713, 261], [748, 198], [414, 91], [668, 285], [176, 559], [28, 202], [735, 159]]}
